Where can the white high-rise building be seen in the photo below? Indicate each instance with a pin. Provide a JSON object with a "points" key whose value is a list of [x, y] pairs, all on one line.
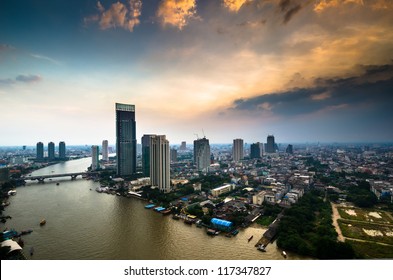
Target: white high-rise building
{"points": [[105, 156], [237, 150], [202, 154], [160, 163], [95, 164]]}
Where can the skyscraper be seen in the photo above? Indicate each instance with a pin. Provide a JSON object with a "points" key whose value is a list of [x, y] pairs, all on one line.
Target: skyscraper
{"points": [[51, 151], [95, 164], [40, 151], [146, 139], [270, 146], [202, 154], [183, 146], [62, 150], [173, 155], [289, 149], [160, 163], [125, 139], [255, 150], [105, 156], [237, 150]]}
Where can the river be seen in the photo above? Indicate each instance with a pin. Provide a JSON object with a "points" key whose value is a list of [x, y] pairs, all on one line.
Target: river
{"points": [[83, 224]]}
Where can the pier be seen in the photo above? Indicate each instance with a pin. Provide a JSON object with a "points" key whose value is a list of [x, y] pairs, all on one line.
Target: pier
{"points": [[271, 232]]}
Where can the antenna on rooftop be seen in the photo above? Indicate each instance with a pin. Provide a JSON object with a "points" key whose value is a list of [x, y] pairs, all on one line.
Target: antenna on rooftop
{"points": [[203, 133], [196, 135]]}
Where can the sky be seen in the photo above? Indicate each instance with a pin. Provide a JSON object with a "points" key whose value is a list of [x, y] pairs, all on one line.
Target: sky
{"points": [[304, 71]]}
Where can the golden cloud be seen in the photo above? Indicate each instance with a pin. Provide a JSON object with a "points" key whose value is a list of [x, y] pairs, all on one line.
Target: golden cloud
{"points": [[234, 5], [176, 12], [118, 15], [321, 5]]}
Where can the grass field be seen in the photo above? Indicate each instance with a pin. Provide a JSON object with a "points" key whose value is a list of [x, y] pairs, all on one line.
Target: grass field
{"points": [[367, 231], [265, 220], [365, 215], [370, 250]]}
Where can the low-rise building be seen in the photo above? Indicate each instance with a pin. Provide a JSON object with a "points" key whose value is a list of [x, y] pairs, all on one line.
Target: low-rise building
{"points": [[223, 189]]}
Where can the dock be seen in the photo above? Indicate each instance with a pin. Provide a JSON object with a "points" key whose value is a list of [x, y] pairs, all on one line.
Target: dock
{"points": [[271, 232]]}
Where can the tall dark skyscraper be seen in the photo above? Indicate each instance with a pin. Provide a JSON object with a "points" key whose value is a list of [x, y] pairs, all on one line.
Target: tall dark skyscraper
{"points": [[51, 151], [202, 154], [146, 141], [125, 139], [289, 149], [40, 151], [270, 146], [255, 150], [62, 150]]}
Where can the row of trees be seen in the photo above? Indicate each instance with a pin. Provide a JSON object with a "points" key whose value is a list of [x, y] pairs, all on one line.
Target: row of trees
{"points": [[307, 229]]}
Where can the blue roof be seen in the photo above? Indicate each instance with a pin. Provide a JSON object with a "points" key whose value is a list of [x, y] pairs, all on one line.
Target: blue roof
{"points": [[221, 222]]}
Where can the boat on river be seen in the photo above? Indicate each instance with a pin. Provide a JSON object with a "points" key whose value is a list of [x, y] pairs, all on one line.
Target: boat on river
{"points": [[12, 192], [284, 254], [262, 248], [166, 212], [27, 231], [43, 222]]}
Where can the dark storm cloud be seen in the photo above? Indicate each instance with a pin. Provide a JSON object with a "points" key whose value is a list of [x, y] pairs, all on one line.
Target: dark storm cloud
{"points": [[291, 12], [369, 92], [289, 8]]}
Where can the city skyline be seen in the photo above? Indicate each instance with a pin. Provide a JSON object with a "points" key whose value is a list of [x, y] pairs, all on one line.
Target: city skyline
{"points": [[304, 71]]}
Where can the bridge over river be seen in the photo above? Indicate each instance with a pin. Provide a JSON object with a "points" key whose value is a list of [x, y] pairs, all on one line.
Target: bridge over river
{"points": [[41, 178]]}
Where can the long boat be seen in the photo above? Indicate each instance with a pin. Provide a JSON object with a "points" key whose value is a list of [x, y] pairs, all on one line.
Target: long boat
{"points": [[166, 212]]}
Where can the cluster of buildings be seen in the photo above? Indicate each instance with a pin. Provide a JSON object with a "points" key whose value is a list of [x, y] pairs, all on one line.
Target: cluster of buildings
{"points": [[51, 155]]}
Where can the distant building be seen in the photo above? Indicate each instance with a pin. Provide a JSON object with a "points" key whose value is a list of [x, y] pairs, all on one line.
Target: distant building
{"points": [[173, 155], [202, 154], [255, 150], [289, 149], [223, 189], [237, 150], [62, 150], [146, 139], [183, 146], [125, 139], [51, 151], [259, 198], [105, 151], [40, 151], [95, 164], [160, 163], [270, 145]]}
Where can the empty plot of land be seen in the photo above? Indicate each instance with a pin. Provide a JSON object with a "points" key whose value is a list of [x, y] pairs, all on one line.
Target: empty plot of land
{"points": [[364, 215], [369, 232]]}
